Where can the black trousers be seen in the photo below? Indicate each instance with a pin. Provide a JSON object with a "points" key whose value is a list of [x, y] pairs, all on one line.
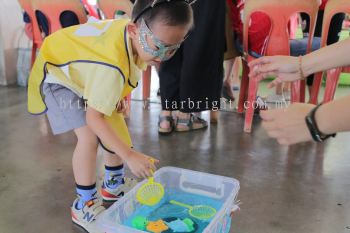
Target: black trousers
{"points": [[191, 81]]}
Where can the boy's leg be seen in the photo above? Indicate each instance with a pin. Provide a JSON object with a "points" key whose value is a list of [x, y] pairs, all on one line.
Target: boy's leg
{"points": [[84, 157], [87, 206], [115, 185]]}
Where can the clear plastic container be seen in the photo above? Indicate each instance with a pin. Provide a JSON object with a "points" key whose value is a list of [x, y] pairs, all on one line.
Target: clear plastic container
{"points": [[223, 189]]}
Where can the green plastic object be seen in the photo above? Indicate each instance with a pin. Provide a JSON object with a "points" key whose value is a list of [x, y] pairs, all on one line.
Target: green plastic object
{"points": [[190, 224], [140, 223], [202, 212]]}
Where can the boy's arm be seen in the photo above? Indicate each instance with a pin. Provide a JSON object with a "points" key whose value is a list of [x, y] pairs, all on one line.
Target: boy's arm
{"points": [[138, 163]]}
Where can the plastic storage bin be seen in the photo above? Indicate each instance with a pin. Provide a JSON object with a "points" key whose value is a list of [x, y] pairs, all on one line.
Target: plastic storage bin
{"points": [[223, 189]]}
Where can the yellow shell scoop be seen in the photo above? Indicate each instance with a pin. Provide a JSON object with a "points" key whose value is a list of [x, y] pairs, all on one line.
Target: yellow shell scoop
{"points": [[150, 193]]}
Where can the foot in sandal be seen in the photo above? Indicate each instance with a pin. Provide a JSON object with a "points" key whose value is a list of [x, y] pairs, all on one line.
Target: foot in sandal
{"points": [[165, 123], [187, 122]]}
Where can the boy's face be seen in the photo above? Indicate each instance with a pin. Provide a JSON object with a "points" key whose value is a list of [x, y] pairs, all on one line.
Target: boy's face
{"points": [[159, 43]]}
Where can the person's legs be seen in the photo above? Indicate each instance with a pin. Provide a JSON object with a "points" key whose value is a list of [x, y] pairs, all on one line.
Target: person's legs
{"points": [[227, 91], [84, 165], [202, 73], [66, 113], [187, 121], [335, 28], [87, 206], [169, 82], [235, 73]]}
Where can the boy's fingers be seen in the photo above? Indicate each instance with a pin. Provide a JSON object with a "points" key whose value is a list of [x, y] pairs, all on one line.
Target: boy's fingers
{"points": [[148, 173], [137, 174], [152, 167], [156, 160]]}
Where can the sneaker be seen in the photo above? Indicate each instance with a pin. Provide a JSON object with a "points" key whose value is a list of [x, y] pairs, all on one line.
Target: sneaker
{"points": [[112, 195], [85, 218]]}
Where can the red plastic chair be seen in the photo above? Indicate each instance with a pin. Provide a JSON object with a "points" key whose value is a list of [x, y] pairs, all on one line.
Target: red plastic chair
{"points": [[53, 9], [333, 7], [279, 12], [37, 38], [110, 7]]}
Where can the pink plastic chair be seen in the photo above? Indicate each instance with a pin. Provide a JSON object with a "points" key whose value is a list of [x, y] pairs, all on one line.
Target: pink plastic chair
{"points": [[333, 7], [53, 9], [279, 12], [37, 38]]}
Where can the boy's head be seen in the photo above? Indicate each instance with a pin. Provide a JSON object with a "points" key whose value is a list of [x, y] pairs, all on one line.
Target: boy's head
{"points": [[159, 27]]}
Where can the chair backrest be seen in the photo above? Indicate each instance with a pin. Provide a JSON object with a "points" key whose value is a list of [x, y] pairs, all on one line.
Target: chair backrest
{"points": [[92, 11], [27, 7], [332, 8], [280, 12], [110, 7], [53, 9]]}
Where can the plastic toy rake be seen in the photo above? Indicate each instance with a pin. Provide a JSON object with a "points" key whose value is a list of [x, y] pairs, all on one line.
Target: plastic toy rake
{"points": [[201, 212]]}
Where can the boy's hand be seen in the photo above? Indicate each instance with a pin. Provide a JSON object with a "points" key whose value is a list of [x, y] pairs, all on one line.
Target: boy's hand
{"points": [[121, 106], [141, 165]]}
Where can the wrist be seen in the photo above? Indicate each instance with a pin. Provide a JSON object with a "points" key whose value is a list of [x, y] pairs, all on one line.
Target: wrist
{"points": [[322, 122], [306, 66], [128, 154], [314, 127]]}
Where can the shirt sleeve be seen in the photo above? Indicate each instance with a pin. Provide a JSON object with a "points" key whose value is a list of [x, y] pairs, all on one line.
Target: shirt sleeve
{"points": [[103, 91]]}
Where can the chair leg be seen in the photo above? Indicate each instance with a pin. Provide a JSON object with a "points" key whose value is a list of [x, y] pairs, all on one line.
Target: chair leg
{"points": [[250, 105], [315, 89], [244, 87], [302, 91], [146, 83], [331, 84], [34, 47], [295, 92]]}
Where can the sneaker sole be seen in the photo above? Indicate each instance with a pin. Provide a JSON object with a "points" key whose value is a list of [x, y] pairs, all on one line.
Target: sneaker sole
{"points": [[79, 226], [76, 223], [108, 199]]}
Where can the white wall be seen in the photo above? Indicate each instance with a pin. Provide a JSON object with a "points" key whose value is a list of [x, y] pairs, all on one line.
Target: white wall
{"points": [[11, 37]]}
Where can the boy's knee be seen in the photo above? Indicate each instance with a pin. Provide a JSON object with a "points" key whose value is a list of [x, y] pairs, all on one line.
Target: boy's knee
{"points": [[87, 137]]}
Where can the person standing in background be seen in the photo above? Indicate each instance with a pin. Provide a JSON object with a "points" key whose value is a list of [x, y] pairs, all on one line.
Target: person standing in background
{"points": [[191, 81]]}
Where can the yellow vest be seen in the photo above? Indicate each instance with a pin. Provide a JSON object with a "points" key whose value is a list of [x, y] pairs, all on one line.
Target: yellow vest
{"points": [[81, 58]]}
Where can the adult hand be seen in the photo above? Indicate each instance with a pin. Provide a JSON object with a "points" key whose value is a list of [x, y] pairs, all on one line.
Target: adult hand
{"points": [[284, 68], [288, 125]]}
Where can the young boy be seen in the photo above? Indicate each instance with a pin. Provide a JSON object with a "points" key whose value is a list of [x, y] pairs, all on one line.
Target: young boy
{"points": [[94, 66]]}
